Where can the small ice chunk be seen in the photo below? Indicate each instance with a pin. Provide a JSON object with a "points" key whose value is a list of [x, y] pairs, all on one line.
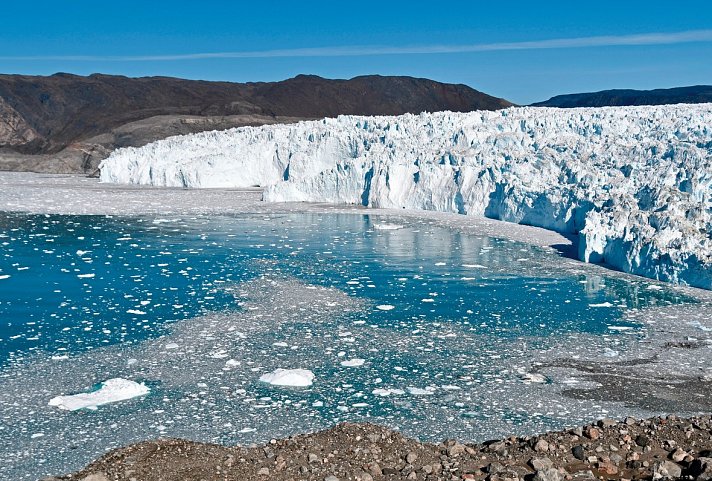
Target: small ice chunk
{"points": [[531, 377], [85, 276], [385, 226], [171, 345], [232, 363], [386, 392], [4, 276], [353, 362], [135, 311], [385, 307], [289, 377], [111, 390], [416, 391], [602, 304]]}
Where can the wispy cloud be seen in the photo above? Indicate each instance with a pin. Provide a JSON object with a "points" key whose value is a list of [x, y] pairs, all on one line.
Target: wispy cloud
{"points": [[667, 38]]}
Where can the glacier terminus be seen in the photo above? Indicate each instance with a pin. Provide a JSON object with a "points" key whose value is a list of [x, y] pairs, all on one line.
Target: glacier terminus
{"points": [[634, 184]]}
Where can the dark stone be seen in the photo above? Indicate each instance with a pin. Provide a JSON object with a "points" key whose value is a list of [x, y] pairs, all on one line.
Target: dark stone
{"points": [[578, 452], [642, 440]]}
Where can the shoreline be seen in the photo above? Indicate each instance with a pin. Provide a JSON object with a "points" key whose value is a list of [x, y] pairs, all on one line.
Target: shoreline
{"points": [[656, 448]]}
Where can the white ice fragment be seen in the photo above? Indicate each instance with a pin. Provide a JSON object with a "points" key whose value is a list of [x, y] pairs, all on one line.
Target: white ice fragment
{"points": [[111, 390], [416, 391], [289, 377], [530, 377], [171, 345], [4, 276], [386, 392], [232, 363], [385, 226], [353, 362], [602, 304], [135, 312], [85, 276], [385, 307]]}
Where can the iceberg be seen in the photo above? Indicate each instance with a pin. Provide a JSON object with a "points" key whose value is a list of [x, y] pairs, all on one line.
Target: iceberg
{"points": [[633, 184], [111, 390]]}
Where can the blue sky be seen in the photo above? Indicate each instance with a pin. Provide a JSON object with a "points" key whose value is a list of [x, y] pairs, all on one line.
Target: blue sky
{"points": [[459, 42]]}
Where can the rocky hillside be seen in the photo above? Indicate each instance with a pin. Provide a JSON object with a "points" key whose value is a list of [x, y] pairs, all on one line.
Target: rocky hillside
{"points": [[68, 123], [607, 98]]}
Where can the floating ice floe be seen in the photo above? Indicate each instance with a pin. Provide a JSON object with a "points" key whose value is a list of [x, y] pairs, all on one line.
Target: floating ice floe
{"points": [[353, 362], [416, 391], [385, 307], [111, 390], [602, 304], [289, 377], [384, 226], [531, 377], [386, 392]]}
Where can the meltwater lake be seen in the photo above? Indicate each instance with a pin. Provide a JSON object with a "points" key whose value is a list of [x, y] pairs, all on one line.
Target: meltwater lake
{"points": [[422, 328]]}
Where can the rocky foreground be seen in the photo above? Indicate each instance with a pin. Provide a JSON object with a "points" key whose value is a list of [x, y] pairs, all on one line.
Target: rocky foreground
{"points": [[658, 448]]}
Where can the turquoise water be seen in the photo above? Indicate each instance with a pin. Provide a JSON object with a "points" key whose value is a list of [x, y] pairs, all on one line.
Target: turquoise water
{"points": [[167, 301]]}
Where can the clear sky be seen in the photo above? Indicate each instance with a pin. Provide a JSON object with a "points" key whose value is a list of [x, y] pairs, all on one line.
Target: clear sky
{"points": [[523, 51]]}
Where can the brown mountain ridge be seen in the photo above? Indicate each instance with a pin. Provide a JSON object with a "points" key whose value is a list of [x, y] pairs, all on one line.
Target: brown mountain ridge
{"points": [[68, 123]]}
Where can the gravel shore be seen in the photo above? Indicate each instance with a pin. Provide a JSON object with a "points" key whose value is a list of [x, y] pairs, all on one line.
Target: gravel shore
{"points": [[656, 448]]}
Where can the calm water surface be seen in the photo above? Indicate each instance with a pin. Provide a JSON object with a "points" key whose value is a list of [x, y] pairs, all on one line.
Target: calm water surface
{"points": [[450, 328]]}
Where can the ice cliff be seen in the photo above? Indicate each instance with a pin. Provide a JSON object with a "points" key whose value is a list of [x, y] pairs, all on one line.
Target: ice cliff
{"points": [[634, 183]]}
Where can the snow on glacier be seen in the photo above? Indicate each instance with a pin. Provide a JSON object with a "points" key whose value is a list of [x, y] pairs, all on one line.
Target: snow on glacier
{"points": [[634, 183]]}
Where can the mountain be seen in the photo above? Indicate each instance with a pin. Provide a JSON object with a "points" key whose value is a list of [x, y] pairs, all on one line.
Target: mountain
{"points": [[68, 123], [608, 98]]}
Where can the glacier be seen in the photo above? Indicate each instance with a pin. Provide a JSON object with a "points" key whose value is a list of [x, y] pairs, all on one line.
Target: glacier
{"points": [[634, 184]]}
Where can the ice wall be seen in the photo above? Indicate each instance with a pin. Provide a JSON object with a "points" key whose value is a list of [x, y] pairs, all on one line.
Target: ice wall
{"points": [[635, 183]]}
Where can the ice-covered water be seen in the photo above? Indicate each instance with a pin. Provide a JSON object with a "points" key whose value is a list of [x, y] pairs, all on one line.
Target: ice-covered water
{"points": [[419, 327]]}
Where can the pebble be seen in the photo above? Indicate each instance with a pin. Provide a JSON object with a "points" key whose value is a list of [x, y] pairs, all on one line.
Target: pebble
{"points": [[549, 474], [666, 470], [541, 446], [540, 463], [578, 452]]}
